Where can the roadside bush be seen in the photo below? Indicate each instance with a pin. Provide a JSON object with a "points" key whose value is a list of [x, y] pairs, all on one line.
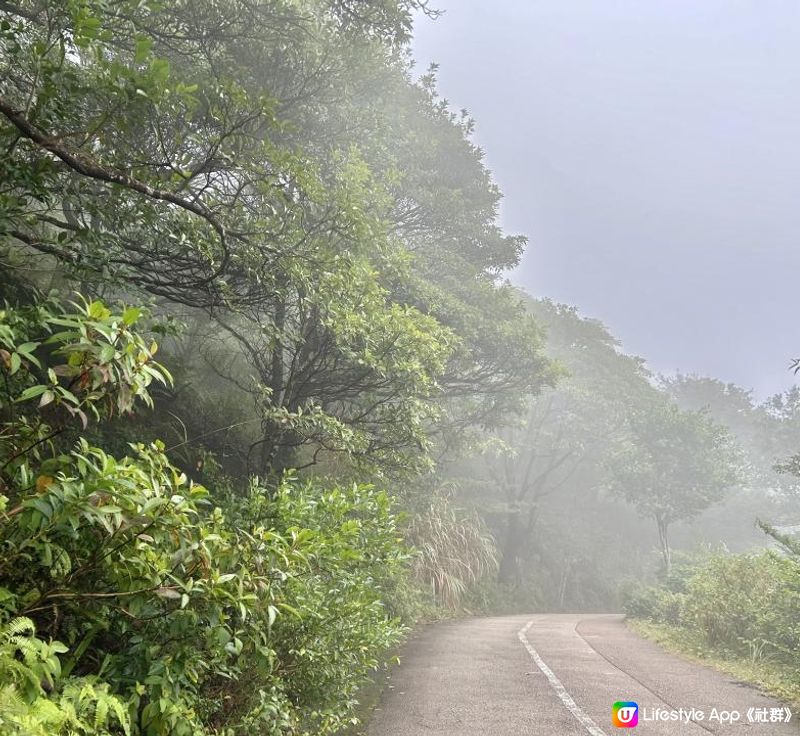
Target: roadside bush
{"points": [[329, 625], [747, 604], [742, 605], [656, 604], [28, 665], [135, 601], [665, 602]]}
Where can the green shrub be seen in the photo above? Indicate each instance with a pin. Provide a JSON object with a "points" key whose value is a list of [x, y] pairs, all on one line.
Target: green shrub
{"points": [[747, 604], [742, 605], [169, 611], [344, 554], [655, 604], [28, 665]]}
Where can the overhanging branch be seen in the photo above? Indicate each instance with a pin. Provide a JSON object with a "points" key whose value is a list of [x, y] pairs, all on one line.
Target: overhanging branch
{"points": [[86, 166]]}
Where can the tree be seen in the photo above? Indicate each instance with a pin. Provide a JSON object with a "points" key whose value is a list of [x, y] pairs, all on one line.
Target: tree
{"points": [[783, 440], [316, 237], [767, 436], [673, 465], [206, 156], [558, 448]]}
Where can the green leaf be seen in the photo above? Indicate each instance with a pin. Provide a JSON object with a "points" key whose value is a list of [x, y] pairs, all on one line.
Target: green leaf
{"points": [[131, 315], [98, 310], [27, 349], [159, 70], [32, 392], [68, 395], [143, 46], [289, 609]]}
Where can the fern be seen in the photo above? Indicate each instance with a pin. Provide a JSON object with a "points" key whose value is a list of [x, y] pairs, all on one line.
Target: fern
{"points": [[78, 707]]}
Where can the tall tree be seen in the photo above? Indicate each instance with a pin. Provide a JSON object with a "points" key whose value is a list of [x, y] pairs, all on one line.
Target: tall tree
{"points": [[559, 447], [265, 169], [673, 465]]}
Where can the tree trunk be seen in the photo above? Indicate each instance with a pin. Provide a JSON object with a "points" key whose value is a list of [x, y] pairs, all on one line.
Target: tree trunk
{"points": [[279, 444], [663, 541], [511, 549], [562, 589], [566, 578]]}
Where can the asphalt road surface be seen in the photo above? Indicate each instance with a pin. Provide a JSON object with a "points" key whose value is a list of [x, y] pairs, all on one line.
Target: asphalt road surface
{"points": [[559, 675]]}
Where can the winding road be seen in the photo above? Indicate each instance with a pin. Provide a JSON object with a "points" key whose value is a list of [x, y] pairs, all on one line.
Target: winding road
{"points": [[559, 675]]}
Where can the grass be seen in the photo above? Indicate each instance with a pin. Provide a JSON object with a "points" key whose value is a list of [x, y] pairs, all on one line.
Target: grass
{"points": [[770, 676]]}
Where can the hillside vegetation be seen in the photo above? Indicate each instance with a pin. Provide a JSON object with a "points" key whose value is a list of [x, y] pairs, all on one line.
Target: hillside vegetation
{"points": [[267, 398]]}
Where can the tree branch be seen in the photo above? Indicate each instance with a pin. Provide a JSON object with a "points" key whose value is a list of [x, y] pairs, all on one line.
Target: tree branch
{"points": [[88, 167]]}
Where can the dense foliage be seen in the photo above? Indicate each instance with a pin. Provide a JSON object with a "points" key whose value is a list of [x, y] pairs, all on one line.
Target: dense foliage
{"points": [[206, 155], [195, 545], [137, 598], [737, 608], [353, 419]]}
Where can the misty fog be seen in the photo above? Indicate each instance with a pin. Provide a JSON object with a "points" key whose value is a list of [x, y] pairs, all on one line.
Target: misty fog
{"points": [[648, 151], [391, 368]]}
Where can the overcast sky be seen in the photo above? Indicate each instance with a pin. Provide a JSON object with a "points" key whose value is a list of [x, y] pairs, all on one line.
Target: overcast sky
{"points": [[650, 150]]}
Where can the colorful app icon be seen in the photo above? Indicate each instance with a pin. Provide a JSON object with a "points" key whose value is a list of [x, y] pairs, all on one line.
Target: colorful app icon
{"points": [[625, 714]]}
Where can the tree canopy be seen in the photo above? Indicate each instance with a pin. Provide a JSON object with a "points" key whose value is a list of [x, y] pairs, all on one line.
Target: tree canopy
{"points": [[266, 393]]}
